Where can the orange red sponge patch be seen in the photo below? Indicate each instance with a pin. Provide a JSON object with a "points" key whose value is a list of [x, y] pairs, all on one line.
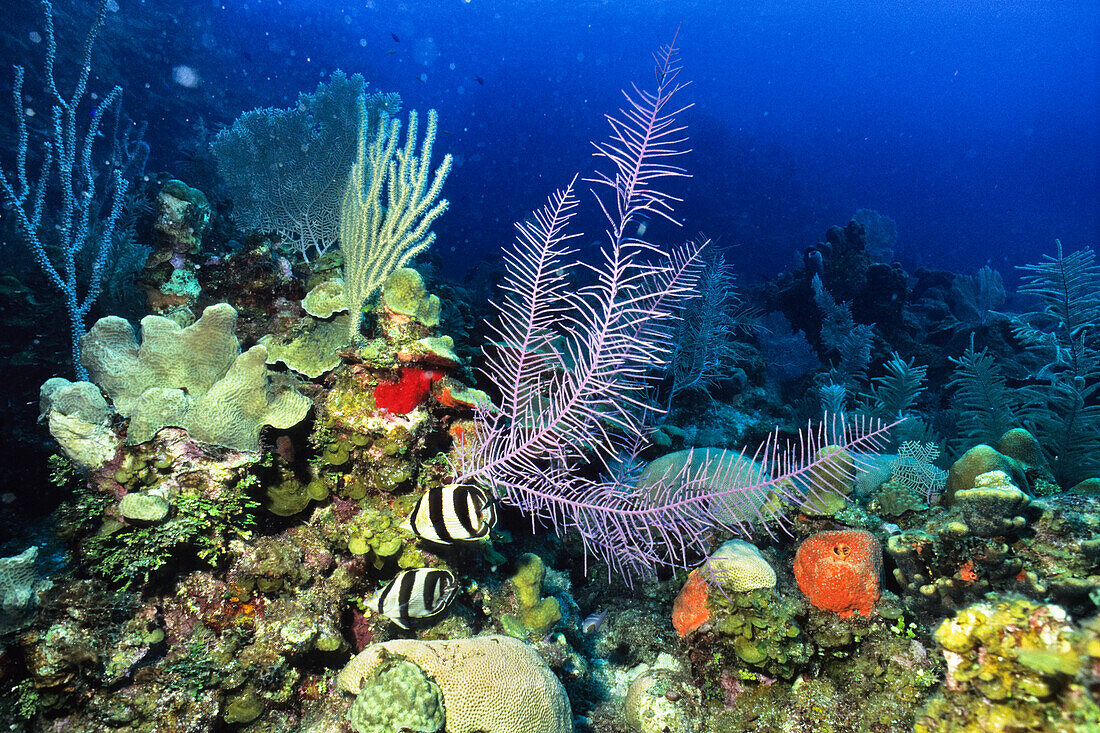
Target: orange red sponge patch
{"points": [[840, 571], [689, 610]]}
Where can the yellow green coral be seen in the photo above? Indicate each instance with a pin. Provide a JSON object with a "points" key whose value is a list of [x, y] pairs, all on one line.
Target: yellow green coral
{"points": [[326, 298], [534, 616], [760, 630], [404, 294], [311, 348], [1013, 665], [377, 534]]}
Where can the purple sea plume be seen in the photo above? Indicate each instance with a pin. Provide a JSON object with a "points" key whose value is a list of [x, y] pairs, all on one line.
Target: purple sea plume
{"points": [[573, 367]]}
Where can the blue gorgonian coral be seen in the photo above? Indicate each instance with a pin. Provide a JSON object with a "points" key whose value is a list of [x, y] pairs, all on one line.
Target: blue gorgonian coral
{"points": [[286, 169]]}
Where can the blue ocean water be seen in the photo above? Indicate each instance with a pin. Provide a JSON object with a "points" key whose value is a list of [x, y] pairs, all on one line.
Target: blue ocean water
{"points": [[972, 124]]}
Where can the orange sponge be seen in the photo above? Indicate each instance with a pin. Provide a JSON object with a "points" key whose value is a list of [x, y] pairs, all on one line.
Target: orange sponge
{"points": [[840, 571], [689, 610]]}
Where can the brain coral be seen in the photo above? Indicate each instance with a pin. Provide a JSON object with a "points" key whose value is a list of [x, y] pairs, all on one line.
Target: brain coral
{"points": [[738, 567], [840, 571], [490, 684]]}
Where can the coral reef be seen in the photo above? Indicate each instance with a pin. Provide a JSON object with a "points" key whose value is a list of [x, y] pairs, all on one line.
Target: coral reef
{"points": [[167, 500], [959, 554], [239, 545]]}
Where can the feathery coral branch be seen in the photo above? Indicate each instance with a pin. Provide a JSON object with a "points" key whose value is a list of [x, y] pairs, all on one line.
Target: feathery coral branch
{"points": [[572, 368]]}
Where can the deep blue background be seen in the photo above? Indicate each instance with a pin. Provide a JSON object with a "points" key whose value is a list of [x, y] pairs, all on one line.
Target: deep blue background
{"points": [[972, 123]]}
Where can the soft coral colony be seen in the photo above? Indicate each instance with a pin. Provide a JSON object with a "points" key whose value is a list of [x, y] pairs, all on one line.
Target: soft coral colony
{"points": [[301, 535]]}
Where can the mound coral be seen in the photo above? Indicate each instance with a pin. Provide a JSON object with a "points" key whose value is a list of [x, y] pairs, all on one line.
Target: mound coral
{"points": [[19, 586], [840, 571], [195, 378], [398, 696], [534, 616], [79, 420], [490, 684]]}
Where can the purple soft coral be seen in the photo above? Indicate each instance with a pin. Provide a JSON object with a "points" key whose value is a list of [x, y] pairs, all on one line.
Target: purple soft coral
{"points": [[572, 368]]}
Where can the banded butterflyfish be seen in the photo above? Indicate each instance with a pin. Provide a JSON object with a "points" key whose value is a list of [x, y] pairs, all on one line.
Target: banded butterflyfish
{"points": [[454, 513], [415, 594]]}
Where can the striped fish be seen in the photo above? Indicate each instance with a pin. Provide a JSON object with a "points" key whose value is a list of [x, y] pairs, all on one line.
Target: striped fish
{"points": [[415, 594], [453, 513]]}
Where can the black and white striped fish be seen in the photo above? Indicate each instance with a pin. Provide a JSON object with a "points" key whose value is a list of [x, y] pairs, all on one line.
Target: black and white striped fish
{"points": [[415, 594], [453, 513]]}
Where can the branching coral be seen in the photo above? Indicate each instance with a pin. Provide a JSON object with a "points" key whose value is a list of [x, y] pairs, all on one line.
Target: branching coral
{"points": [[378, 237]]}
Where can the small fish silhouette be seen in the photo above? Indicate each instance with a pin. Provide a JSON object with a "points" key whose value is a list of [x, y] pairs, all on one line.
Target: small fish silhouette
{"points": [[593, 622], [480, 80], [394, 37]]}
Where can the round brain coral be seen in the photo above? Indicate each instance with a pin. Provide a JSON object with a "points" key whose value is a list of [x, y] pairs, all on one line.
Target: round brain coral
{"points": [[840, 571], [490, 684], [738, 567]]}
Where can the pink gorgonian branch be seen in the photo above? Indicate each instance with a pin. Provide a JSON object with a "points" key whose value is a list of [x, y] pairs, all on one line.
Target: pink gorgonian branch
{"points": [[572, 367]]}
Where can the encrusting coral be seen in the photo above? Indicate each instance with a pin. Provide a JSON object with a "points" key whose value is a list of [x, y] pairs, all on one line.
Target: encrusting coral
{"points": [[312, 346], [1015, 665]]}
